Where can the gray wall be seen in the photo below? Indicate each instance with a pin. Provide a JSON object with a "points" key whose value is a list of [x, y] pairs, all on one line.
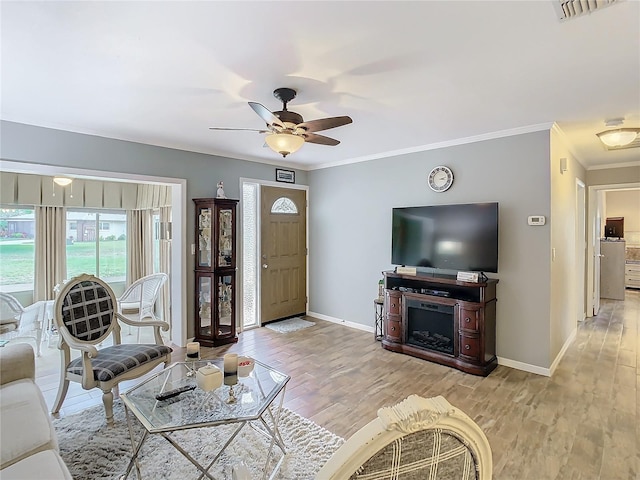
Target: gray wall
{"points": [[350, 215], [25, 143], [350, 231], [613, 176]]}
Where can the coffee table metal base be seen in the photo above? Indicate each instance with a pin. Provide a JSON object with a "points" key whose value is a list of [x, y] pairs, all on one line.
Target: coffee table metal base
{"points": [[271, 433]]}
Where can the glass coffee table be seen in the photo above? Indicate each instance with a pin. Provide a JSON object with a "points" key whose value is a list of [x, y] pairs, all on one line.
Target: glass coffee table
{"points": [[252, 402]]}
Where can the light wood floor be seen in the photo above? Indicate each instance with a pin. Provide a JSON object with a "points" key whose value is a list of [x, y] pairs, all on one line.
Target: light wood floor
{"points": [[583, 423]]}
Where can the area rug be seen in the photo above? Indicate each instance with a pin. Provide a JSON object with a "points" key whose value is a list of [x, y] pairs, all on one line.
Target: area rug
{"points": [[289, 325], [92, 450]]}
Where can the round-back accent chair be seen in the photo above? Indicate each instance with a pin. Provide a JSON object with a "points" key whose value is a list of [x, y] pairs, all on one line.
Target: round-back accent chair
{"points": [[85, 312]]}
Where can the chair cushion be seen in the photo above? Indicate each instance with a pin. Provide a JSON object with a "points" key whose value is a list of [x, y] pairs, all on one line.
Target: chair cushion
{"points": [[118, 359], [433, 453], [8, 326], [25, 426], [129, 308], [46, 464]]}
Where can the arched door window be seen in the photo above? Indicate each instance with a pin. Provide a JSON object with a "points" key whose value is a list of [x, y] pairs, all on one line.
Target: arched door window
{"points": [[284, 205]]}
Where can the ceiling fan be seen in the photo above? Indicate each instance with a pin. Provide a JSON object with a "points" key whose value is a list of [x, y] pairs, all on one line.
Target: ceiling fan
{"points": [[287, 131]]}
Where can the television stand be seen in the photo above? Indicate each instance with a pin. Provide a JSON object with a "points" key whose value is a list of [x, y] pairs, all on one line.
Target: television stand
{"points": [[440, 319]]}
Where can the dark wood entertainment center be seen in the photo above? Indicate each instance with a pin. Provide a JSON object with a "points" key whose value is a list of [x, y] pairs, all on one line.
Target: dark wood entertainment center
{"points": [[437, 318]]}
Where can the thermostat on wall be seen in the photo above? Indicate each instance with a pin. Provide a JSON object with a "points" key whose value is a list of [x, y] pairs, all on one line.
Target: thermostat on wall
{"points": [[536, 220]]}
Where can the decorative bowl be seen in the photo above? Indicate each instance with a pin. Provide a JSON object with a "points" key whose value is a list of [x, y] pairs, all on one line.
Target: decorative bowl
{"points": [[245, 366]]}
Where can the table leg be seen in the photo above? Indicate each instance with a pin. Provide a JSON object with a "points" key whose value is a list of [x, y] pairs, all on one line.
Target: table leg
{"points": [[273, 435], [135, 449], [203, 471], [224, 447]]}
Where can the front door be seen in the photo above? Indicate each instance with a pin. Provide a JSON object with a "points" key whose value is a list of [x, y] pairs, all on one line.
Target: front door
{"points": [[283, 253]]}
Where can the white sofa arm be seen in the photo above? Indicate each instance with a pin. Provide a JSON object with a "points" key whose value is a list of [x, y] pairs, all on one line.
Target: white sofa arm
{"points": [[17, 361]]}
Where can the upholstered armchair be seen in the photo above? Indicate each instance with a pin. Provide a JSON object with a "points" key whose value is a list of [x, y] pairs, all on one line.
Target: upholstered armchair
{"points": [[418, 438], [17, 321], [85, 312]]}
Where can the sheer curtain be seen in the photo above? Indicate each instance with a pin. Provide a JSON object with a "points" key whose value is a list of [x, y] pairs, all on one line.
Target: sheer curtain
{"points": [[139, 242], [50, 255], [165, 266]]}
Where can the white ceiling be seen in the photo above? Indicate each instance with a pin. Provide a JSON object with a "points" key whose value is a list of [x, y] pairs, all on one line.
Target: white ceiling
{"points": [[412, 75]]}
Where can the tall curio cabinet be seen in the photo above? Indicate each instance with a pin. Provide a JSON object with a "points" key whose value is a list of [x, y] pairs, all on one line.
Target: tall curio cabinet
{"points": [[215, 271]]}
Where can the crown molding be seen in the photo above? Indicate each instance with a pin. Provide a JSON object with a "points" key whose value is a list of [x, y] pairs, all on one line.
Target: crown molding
{"points": [[449, 143], [615, 165]]}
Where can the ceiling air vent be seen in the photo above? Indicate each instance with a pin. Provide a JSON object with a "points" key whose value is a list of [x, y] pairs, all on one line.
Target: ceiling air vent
{"points": [[575, 8]]}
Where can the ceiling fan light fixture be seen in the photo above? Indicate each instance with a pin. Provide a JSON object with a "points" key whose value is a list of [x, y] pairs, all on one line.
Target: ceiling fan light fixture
{"points": [[618, 137], [284, 143], [62, 181]]}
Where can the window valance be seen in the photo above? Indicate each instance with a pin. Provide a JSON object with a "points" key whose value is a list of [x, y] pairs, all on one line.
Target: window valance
{"points": [[25, 189]]}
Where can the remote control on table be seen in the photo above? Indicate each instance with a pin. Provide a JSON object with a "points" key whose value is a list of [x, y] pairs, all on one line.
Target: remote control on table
{"points": [[176, 391]]}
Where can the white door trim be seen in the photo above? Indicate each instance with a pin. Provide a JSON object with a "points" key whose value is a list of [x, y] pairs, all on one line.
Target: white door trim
{"points": [[268, 183], [581, 248], [594, 234]]}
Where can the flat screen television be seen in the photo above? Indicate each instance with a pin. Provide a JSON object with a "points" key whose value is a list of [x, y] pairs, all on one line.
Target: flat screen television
{"points": [[450, 237]]}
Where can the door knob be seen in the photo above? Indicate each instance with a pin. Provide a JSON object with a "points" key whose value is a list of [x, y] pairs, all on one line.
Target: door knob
{"points": [[264, 265]]}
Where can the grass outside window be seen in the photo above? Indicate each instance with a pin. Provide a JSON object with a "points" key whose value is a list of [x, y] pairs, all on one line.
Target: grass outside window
{"points": [[17, 260]]}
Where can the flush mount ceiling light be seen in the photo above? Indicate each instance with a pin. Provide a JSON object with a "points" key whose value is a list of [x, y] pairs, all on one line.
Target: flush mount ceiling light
{"points": [[62, 181], [618, 137], [284, 143]]}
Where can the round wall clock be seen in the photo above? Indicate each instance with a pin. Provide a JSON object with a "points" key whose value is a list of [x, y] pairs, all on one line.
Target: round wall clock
{"points": [[440, 178]]}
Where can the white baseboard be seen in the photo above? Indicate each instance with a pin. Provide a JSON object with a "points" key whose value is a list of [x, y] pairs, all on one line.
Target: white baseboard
{"points": [[563, 350], [526, 367], [358, 326], [547, 372]]}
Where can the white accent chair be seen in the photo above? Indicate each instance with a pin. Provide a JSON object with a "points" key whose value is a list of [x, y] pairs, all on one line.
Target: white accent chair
{"points": [[139, 300], [85, 315], [16, 321], [418, 438]]}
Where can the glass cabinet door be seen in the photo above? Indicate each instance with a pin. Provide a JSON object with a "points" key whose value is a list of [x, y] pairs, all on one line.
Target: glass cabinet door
{"points": [[203, 305], [226, 326], [225, 237], [204, 245]]}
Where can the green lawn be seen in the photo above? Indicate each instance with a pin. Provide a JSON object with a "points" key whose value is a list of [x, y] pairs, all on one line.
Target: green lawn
{"points": [[16, 260]]}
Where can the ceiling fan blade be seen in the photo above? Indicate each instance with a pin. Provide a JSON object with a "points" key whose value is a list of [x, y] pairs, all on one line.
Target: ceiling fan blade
{"points": [[244, 129], [320, 139], [324, 123], [266, 114]]}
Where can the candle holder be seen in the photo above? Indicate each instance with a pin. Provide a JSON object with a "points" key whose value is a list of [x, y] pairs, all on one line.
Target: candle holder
{"points": [[193, 355], [231, 374], [232, 395], [191, 369]]}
